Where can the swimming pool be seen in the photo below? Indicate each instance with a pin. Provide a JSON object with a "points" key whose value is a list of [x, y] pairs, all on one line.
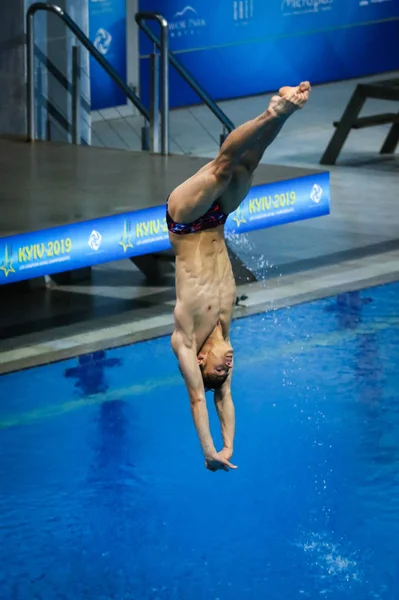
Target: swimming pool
{"points": [[103, 493]]}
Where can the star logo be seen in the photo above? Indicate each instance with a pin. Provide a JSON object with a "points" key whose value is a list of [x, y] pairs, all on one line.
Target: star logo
{"points": [[126, 239], [239, 216], [6, 266]]}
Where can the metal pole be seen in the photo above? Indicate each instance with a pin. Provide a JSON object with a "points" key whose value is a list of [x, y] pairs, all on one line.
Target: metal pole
{"points": [[140, 18], [145, 137], [39, 103], [76, 95], [223, 136], [48, 129], [154, 107], [30, 60], [165, 86]]}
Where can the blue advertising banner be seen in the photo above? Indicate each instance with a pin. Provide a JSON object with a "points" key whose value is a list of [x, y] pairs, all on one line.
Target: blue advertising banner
{"points": [[107, 31], [242, 47], [145, 231], [282, 202]]}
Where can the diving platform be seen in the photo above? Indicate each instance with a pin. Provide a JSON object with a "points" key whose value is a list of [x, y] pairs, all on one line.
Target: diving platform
{"points": [[66, 208]]}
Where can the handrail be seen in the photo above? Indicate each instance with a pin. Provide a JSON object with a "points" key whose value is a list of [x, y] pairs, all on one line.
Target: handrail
{"points": [[219, 114], [58, 76], [164, 51], [70, 23]]}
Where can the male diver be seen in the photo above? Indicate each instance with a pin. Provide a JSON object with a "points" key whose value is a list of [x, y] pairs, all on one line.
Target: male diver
{"points": [[205, 287]]}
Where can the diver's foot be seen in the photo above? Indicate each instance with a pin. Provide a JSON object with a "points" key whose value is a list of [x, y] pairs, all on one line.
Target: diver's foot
{"points": [[290, 99]]}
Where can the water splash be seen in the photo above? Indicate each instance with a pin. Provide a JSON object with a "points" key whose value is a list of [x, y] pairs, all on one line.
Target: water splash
{"points": [[330, 563]]}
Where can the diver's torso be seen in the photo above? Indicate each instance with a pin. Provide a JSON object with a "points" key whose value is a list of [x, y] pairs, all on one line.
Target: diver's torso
{"points": [[205, 287]]}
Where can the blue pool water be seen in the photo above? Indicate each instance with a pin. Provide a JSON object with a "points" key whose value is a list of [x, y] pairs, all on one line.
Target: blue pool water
{"points": [[103, 493]]}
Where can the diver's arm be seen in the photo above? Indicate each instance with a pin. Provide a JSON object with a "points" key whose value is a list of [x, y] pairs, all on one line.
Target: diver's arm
{"points": [[225, 409], [189, 367], [223, 399]]}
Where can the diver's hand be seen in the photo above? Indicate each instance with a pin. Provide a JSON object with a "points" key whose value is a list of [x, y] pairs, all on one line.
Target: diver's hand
{"points": [[219, 461], [226, 452]]}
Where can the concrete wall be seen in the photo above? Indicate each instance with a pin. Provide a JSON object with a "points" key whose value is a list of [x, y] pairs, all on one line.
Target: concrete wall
{"points": [[12, 88], [53, 40]]}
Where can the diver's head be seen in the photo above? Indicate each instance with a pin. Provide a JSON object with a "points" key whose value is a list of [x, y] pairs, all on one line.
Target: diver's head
{"points": [[215, 360]]}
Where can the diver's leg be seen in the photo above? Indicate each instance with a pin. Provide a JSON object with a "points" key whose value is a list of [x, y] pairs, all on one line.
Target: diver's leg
{"points": [[289, 100], [192, 198], [243, 148]]}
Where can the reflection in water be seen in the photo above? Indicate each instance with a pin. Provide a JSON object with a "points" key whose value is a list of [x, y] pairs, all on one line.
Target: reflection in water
{"points": [[111, 452], [90, 372], [368, 367], [348, 309], [110, 443], [378, 413], [378, 450], [111, 496]]}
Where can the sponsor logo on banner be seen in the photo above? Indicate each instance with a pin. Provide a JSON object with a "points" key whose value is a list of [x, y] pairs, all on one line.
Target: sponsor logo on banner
{"points": [[298, 7], [243, 10], [239, 217], [6, 265], [186, 21], [126, 238], [35, 255], [95, 240], [103, 41], [316, 194]]}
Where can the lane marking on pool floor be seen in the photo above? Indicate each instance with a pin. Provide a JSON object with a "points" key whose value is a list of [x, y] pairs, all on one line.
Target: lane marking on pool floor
{"points": [[304, 345]]}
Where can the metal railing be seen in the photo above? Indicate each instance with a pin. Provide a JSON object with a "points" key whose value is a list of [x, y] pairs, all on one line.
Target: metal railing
{"points": [[52, 108], [154, 65], [166, 57], [152, 116], [84, 40]]}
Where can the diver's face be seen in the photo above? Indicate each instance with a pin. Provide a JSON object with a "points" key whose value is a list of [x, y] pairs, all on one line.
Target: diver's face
{"points": [[216, 358]]}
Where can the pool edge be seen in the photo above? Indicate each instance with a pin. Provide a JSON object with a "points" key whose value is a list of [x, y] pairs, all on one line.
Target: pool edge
{"points": [[289, 290]]}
